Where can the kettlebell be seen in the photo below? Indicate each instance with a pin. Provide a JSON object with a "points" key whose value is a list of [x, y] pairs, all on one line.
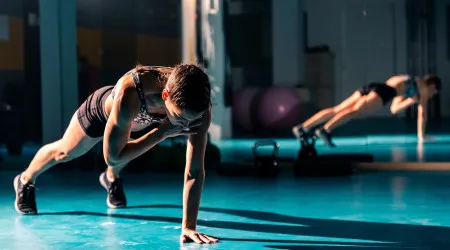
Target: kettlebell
{"points": [[307, 147], [307, 158], [266, 165], [308, 141], [307, 152]]}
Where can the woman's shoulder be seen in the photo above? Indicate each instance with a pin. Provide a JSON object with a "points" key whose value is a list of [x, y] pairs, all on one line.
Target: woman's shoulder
{"points": [[397, 79], [124, 83], [125, 91]]}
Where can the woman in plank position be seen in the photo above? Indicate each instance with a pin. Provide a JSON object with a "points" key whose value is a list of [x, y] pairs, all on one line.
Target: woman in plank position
{"points": [[146, 106], [402, 90]]}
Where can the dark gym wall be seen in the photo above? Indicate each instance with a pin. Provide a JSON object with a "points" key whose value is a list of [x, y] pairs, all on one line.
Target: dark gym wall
{"points": [[102, 28], [249, 42], [11, 51], [112, 36], [117, 34]]}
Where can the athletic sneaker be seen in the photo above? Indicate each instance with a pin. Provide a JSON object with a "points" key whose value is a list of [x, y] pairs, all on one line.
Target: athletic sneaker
{"points": [[116, 196], [25, 197], [325, 137], [299, 132]]}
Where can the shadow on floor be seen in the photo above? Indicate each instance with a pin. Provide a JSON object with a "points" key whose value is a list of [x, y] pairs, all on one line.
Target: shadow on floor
{"points": [[395, 235]]}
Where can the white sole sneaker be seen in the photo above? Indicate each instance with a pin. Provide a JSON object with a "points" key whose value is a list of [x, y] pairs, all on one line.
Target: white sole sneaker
{"points": [[16, 186], [102, 182]]}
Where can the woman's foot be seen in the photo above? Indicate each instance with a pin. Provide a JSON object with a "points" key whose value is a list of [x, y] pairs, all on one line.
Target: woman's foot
{"points": [[25, 202], [325, 137], [303, 136], [116, 196], [299, 132]]}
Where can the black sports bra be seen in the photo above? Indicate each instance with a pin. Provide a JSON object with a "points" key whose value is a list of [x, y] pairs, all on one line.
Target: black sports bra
{"points": [[144, 117]]}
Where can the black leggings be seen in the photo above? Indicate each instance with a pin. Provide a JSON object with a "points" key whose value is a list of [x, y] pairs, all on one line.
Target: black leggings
{"points": [[385, 92], [92, 117]]}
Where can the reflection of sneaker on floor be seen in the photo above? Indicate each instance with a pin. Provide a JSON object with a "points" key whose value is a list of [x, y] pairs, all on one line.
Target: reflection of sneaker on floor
{"points": [[25, 197], [116, 196], [325, 137]]}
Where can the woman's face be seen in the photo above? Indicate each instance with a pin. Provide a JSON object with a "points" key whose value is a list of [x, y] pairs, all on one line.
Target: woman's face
{"points": [[432, 90], [180, 117]]}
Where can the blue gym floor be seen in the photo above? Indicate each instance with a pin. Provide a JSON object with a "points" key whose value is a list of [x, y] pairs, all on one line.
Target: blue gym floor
{"points": [[371, 210]]}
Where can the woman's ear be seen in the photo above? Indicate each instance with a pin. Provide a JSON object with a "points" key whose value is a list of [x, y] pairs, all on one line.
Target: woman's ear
{"points": [[165, 94]]}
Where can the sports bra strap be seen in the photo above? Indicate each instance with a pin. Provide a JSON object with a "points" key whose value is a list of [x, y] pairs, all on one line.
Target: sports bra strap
{"points": [[140, 92]]}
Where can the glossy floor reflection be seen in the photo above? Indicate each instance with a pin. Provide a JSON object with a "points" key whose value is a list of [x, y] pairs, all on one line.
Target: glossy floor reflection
{"points": [[367, 211], [389, 148]]}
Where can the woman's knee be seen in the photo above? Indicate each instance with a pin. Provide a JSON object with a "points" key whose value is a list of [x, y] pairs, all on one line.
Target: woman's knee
{"points": [[342, 107], [356, 111], [338, 108], [61, 152]]}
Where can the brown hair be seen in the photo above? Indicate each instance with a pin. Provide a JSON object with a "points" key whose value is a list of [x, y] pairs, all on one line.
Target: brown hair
{"points": [[188, 85], [433, 80], [161, 73], [189, 88]]}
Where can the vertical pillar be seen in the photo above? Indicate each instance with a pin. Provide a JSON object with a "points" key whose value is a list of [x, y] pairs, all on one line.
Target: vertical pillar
{"points": [[212, 45], [288, 41], [59, 87], [188, 31], [213, 51]]}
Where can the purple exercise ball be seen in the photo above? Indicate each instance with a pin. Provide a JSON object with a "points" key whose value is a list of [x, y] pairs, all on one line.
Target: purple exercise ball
{"points": [[279, 108], [243, 107]]}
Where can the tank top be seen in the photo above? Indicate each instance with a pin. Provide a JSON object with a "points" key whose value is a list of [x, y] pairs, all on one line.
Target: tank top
{"points": [[143, 117]]}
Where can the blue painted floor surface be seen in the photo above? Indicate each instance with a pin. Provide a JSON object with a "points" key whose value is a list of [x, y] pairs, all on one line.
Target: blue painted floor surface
{"points": [[377, 210]]}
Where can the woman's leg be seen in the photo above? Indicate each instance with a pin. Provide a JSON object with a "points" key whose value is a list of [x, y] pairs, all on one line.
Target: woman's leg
{"points": [[322, 116], [111, 181], [140, 130], [113, 173], [326, 114], [364, 106], [73, 144]]}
